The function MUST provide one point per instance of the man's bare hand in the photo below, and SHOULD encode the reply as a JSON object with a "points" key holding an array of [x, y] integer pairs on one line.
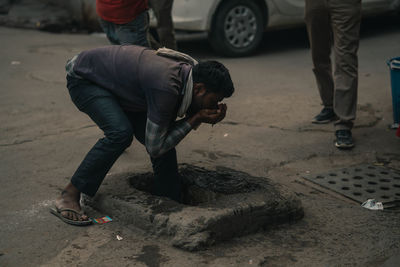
{"points": [[211, 116]]}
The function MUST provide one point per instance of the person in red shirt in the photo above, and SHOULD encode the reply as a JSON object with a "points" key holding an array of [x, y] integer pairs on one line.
{"points": [[124, 21]]}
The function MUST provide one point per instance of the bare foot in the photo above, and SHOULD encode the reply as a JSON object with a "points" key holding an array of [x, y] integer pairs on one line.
{"points": [[69, 199]]}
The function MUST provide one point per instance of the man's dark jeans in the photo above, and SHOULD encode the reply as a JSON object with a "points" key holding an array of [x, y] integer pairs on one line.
{"points": [[119, 127], [132, 33]]}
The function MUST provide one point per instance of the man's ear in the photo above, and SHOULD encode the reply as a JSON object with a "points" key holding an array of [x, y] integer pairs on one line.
{"points": [[199, 89]]}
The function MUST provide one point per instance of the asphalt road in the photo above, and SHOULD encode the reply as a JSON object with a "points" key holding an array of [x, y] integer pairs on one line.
{"points": [[267, 133]]}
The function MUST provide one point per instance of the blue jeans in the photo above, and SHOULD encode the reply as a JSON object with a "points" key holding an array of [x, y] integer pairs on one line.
{"points": [[119, 127], [131, 33]]}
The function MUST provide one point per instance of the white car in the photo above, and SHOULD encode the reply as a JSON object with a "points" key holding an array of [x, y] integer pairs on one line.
{"points": [[235, 27]]}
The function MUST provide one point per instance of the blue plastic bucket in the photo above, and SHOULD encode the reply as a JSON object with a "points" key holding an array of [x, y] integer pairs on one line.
{"points": [[394, 65]]}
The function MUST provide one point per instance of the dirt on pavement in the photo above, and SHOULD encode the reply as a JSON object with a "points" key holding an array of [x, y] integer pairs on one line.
{"points": [[267, 133]]}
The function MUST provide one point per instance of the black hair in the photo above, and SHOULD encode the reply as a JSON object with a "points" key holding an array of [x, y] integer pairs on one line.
{"points": [[215, 77]]}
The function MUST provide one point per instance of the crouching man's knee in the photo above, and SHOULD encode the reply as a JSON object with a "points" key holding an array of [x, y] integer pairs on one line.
{"points": [[121, 137]]}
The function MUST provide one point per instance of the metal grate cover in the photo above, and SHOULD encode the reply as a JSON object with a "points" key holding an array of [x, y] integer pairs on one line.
{"points": [[362, 182]]}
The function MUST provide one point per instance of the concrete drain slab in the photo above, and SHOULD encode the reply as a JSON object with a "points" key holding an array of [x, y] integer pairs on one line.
{"points": [[219, 204], [362, 182]]}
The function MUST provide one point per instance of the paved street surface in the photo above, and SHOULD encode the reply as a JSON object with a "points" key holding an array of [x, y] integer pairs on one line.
{"points": [[267, 133]]}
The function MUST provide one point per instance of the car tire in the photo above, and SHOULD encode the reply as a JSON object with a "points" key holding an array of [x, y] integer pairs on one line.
{"points": [[237, 28]]}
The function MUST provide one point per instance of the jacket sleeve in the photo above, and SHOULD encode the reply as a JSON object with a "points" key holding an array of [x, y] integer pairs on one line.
{"points": [[160, 139]]}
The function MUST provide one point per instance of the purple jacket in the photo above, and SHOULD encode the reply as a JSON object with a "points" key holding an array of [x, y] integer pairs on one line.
{"points": [[141, 80]]}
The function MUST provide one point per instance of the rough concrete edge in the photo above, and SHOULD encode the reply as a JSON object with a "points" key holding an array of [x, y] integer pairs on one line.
{"points": [[208, 229], [206, 226], [121, 209]]}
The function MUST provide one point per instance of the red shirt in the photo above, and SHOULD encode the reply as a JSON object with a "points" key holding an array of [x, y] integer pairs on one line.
{"points": [[120, 11]]}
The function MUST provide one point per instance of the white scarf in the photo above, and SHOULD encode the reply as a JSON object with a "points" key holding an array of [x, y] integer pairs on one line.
{"points": [[187, 96]]}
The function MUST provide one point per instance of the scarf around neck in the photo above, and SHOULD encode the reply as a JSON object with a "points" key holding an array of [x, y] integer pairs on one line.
{"points": [[188, 89]]}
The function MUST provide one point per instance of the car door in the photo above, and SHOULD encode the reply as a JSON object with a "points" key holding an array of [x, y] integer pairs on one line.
{"points": [[296, 7], [290, 7]]}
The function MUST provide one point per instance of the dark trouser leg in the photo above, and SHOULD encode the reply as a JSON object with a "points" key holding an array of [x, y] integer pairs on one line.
{"points": [[106, 112], [165, 29], [319, 30], [134, 32], [167, 181], [346, 19], [109, 30]]}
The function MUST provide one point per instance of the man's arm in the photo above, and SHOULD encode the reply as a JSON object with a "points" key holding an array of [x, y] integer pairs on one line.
{"points": [[160, 139]]}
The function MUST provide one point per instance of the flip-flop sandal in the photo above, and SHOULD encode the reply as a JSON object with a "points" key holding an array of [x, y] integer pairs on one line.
{"points": [[57, 212]]}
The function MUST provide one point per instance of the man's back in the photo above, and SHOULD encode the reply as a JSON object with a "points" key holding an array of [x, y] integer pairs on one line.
{"points": [[141, 80]]}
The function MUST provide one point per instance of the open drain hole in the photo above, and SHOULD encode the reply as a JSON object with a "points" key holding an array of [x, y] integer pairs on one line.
{"points": [[345, 188], [384, 188], [357, 178], [372, 183], [385, 197], [386, 173], [396, 185], [371, 168], [384, 180], [357, 185], [332, 174], [345, 179], [201, 185], [332, 182], [320, 177], [371, 175], [370, 191]]}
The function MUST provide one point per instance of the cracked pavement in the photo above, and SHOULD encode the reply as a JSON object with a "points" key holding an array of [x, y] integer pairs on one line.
{"points": [[267, 133]]}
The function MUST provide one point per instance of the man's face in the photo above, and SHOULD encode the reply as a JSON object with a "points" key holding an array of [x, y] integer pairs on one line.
{"points": [[202, 99]]}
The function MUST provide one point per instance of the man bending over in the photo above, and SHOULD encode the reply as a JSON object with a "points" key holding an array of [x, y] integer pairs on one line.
{"points": [[131, 91]]}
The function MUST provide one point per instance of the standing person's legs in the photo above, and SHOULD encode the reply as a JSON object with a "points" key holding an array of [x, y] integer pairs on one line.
{"points": [[167, 181], [317, 18], [109, 29], [134, 32], [346, 19], [154, 39], [165, 27], [104, 109]]}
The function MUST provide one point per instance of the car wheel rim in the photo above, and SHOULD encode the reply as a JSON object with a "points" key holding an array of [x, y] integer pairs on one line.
{"points": [[240, 26]]}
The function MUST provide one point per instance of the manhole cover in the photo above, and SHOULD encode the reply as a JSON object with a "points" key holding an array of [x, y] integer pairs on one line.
{"points": [[362, 182]]}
